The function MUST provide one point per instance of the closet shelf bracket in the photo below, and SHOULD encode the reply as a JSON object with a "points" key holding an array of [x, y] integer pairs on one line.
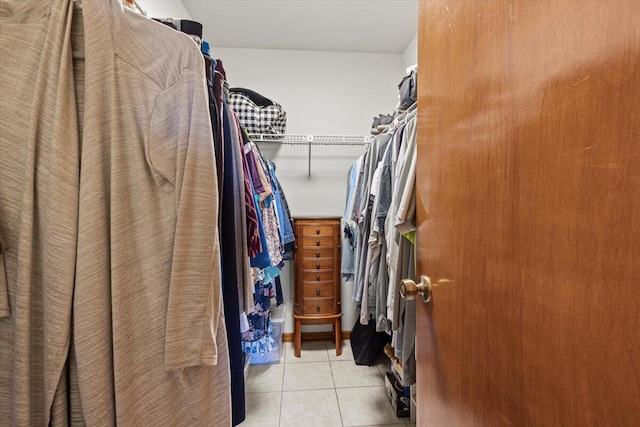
{"points": [[309, 142]]}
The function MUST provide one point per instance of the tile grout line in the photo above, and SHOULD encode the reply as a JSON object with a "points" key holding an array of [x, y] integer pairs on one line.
{"points": [[310, 389], [335, 390], [403, 421]]}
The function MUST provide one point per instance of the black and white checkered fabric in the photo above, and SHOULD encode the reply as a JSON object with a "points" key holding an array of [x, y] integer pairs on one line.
{"points": [[256, 119]]}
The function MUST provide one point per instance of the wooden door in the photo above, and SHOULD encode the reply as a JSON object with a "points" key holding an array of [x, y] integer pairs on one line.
{"points": [[529, 213]]}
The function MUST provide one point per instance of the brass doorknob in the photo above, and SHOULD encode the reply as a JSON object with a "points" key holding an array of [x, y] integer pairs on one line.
{"points": [[409, 289]]}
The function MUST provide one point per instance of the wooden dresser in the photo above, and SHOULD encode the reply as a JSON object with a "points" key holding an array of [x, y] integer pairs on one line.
{"points": [[317, 276]]}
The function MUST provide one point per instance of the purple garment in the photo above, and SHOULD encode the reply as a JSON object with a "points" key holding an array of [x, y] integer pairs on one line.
{"points": [[255, 176], [253, 231]]}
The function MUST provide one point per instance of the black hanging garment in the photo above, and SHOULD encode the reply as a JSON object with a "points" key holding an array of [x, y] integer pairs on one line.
{"points": [[230, 282], [221, 124], [228, 224], [366, 343]]}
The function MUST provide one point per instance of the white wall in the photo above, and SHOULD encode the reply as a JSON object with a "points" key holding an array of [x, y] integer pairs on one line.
{"points": [[327, 93], [410, 54], [322, 92], [164, 9]]}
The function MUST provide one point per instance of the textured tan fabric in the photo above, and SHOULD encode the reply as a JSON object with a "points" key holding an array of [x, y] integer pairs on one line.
{"points": [[134, 225], [39, 170]]}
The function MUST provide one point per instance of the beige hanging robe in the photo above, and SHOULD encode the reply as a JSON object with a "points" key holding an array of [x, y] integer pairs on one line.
{"points": [[39, 170], [113, 238]]}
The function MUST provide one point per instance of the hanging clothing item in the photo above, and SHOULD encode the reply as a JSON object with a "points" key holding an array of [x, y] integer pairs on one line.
{"points": [[379, 238], [375, 152], [379, 276], [257, 181], [237, 205], [254, 239], [403, 260], [214, 88], [268, 210], [270, 258], [282, 209], [259, 338], [232, 239], [240, 210], [39, 168], [349, 224], [284, 215], [149, 342], [403, 184], [272, 231], [261, 260], [172, 319], [218, 91]]}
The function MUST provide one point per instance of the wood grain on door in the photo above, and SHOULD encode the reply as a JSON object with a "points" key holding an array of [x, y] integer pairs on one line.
{"points": [[529, 213]]}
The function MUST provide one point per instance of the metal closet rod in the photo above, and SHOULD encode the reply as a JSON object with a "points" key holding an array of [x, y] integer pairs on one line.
{"points": [[306, 139], [310, 140]]}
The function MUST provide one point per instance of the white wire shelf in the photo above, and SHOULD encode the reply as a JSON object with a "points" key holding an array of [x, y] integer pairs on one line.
{"points": [[311, 141], [292, 139]]}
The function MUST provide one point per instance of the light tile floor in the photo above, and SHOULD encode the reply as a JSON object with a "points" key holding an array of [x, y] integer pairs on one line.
{"points": [[319, 389]]}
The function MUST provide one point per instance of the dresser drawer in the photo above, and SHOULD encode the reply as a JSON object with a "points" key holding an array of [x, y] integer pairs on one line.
{"points": [[317, 276], [318, 306], [317, 264], [317, 294], [320, 290], [311, 253], [317, 230], [319, 241]]}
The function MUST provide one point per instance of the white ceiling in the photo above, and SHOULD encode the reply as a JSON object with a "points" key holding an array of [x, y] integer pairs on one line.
{"points": [[385, 26]]}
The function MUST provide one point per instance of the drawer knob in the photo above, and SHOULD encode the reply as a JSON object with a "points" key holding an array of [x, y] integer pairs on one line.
{"points": [[317, 242], [317, 266], [317, 254], [317, 277], [317, 231], [318, 308], [318, 291]]}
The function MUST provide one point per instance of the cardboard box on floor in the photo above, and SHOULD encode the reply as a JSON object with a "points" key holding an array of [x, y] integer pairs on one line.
{"points": [[398, 395]]}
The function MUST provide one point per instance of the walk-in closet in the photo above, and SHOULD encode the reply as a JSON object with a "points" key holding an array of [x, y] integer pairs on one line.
{"points": [[329, 213]]}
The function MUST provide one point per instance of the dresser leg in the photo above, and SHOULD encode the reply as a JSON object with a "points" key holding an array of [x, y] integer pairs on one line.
{"points": [[297, 339], [338, 336]]}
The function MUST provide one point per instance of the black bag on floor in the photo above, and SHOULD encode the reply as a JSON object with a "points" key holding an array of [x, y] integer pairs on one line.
{"points": [[367, 344]]}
